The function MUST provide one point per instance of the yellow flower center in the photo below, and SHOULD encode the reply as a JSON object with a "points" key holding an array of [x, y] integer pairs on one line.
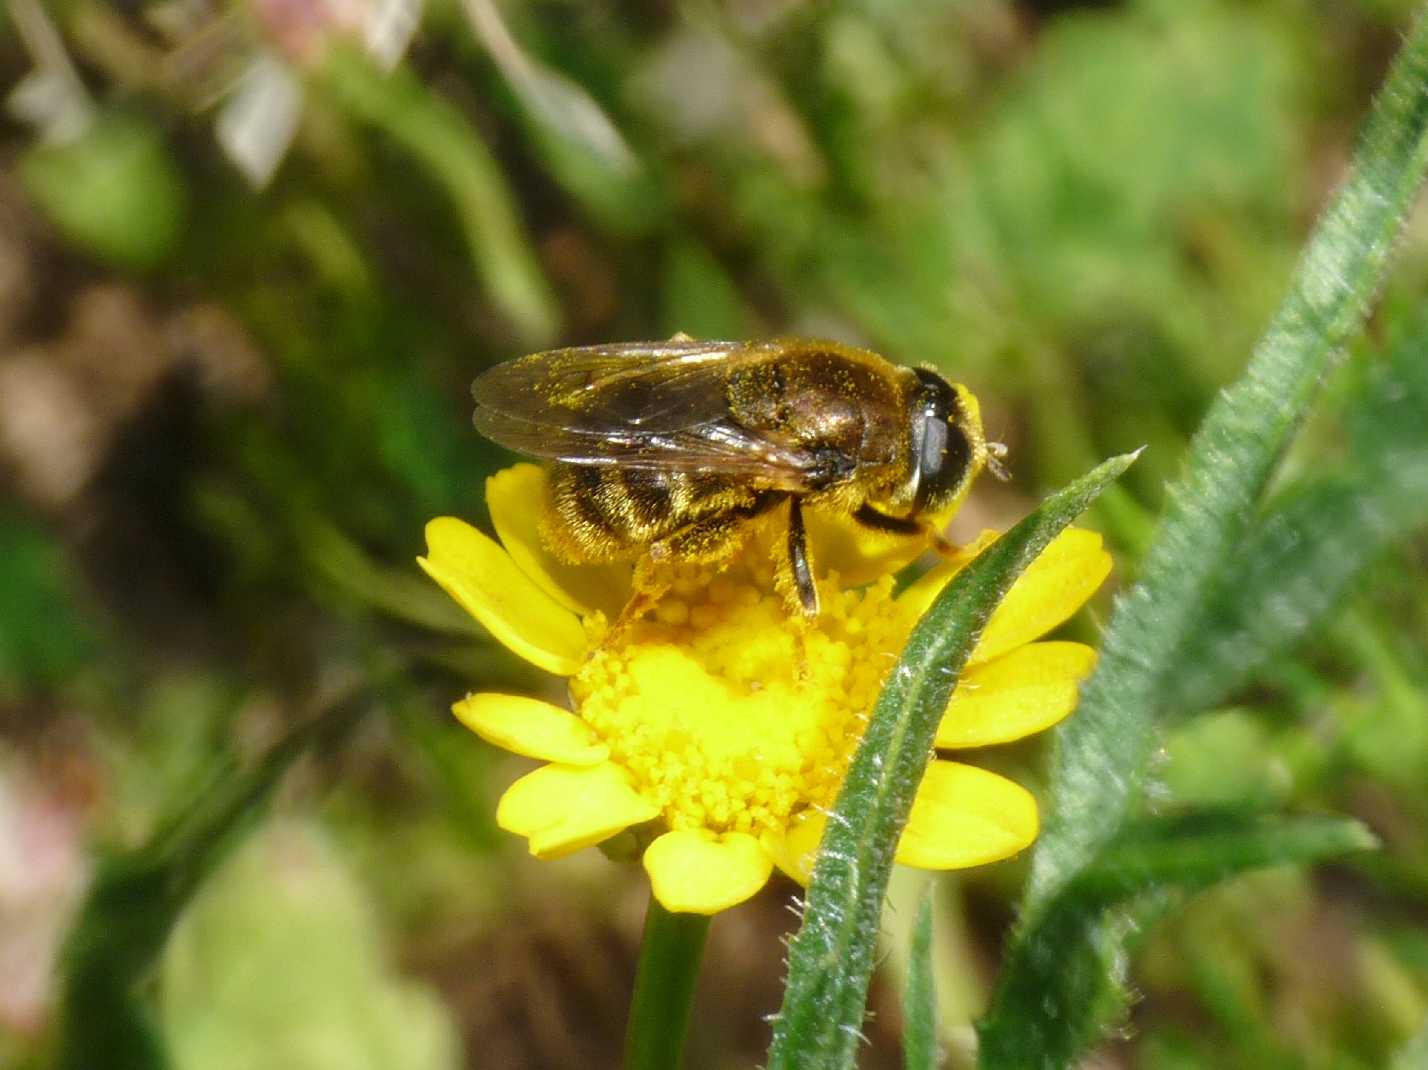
{"points": [[730, 714]]}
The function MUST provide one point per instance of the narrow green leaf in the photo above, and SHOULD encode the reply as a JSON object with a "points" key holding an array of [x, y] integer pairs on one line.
{"points": [[831, 958], [1058, 990], [919, 1000], [582, 147], [1196, 850], [398, 104], [1299, 560], [136, 898], [1103, 752]]}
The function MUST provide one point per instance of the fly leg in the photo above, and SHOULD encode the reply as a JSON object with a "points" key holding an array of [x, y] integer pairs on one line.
{"points": [[651, 583], [712, 539], [799, 565], [903, 525], [800, 570]]}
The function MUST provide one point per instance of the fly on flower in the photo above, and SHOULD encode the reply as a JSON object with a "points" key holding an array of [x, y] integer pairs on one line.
{"points": [[665, 452], [695, 728]]}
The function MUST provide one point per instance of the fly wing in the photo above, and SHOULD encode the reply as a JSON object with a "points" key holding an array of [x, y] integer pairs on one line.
{"points": [[653, 386], [659, 405]]}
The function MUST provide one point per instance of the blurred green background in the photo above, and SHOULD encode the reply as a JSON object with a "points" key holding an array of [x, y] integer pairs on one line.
{"points": [[251, 256]]}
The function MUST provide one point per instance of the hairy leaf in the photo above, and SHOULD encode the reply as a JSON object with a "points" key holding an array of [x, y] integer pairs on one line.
{"points": [[1104, 750], [1299, 560], [832, 957], [1059, 987]]}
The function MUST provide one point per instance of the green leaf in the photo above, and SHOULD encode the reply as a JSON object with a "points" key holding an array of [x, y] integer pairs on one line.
{"points": [[136, 898], [236, 996], [1300, 559], [582, 147], [1414, 1054], [1104, 751], [919, 999], [1058, 989], [1193, 851], [441, 140], [585, 152], [115, 191], [45, 640], [832, 956]]}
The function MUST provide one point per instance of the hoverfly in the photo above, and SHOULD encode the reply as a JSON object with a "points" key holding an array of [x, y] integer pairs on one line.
{"points": [[665, 451]]}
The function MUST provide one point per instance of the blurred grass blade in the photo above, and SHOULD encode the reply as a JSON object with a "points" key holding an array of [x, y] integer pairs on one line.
{"points": [[257, 123], [435, 133], [333, 558], [52, 97], [1104, 751], [1193, 851], [919, 1001], [1299, 560], [832, 956], [1057, 992], [136, 898], [551, 98], [582, 146]]}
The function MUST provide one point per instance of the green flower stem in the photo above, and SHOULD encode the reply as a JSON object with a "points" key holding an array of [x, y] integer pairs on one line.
{"points": [[664, 988]]}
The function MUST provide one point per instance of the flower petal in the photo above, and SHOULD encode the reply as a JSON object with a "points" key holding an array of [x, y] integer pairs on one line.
{"points": [[696, 871], [562, 808], [1053, 587], [531, 727], [481, 576], [1022, 692], [965, 816], [797, 850], [919, 594], [516, 498], [857, 553]]}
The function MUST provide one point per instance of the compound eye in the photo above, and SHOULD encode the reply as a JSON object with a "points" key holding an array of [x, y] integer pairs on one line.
{"points": [[934, 448], [944, 464], [930, 460]]}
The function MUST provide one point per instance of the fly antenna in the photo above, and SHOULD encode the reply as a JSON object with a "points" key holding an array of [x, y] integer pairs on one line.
{"points": [[996, 453]]}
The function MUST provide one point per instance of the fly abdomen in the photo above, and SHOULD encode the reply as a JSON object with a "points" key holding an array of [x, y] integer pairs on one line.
{"points": [[608, 512]]}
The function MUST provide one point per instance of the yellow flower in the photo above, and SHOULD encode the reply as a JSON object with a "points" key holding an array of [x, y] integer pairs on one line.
{"points": [[719, 727]]}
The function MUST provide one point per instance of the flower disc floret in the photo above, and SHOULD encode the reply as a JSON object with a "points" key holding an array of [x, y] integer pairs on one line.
{"points": [[729, 718]]}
